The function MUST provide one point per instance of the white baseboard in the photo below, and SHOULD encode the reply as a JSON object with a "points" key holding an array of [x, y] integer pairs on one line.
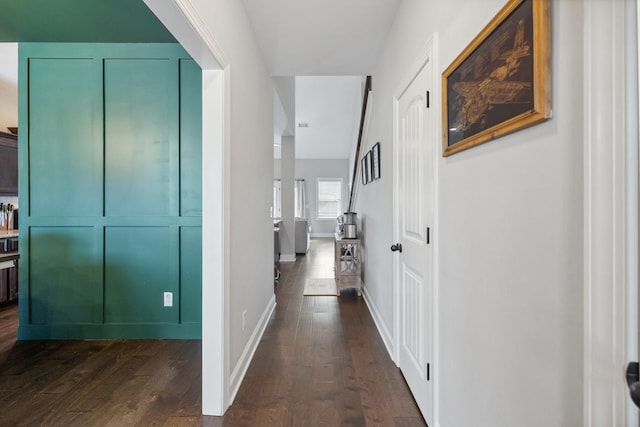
{"points": [[238, 373], [322, 234], [288, 258], [387, 339]]}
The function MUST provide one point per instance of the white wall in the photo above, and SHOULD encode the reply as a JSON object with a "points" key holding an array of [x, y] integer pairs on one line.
{"points": [[285, 87], [250, 166], [310, 170], [510, 330], [287, 172], [8, 86]]}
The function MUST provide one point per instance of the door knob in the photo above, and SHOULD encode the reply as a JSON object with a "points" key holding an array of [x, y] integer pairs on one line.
{"points": [[396, 247], [633, 381]]}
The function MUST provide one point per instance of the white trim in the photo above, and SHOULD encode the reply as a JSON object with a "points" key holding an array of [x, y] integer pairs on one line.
{"points": [[225, 134], [288, 258], [383, 331], [429, 53], [340, 208], [396, 232], [605, 213], [322, 235], [238, 373], [432, 45], [188, 27], [633, 189], [214, 245], [633, 166]]}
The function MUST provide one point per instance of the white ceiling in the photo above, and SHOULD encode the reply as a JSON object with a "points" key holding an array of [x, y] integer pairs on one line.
{"points": [[318, 40], [320, 37], [331, 108]]}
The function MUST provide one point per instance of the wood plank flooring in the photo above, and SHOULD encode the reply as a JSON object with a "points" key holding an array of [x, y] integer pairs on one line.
{"points": [[320, 363]]}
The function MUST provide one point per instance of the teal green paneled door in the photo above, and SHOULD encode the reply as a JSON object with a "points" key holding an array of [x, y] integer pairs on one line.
{"points": [[110, 191]]}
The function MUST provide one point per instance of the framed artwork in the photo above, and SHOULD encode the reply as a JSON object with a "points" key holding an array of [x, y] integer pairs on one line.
{"points": [[501, 82], [363, 167], [367, 161], [375, 153]]}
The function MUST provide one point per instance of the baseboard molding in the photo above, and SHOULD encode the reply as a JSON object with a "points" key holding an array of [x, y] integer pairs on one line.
{"points": [[387, 338], [238, 373], [287, 258], [322, 235], [111, 331]]}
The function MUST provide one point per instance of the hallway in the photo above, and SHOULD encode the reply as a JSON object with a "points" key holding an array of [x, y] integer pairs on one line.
{"points": [[320, 363]]}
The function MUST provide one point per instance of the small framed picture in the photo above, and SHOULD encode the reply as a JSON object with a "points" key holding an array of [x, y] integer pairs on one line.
{"points": [[367, 159], [376, 160], [363, 166]]}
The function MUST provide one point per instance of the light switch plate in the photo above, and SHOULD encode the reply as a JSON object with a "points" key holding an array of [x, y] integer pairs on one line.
{"points": [[168, 299]]}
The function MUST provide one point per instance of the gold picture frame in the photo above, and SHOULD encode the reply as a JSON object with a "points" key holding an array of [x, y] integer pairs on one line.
{"points": [[501, 82]]}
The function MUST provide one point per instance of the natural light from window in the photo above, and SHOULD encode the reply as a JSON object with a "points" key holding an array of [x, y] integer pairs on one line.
{"points": [[277, 197], [329, 193]]}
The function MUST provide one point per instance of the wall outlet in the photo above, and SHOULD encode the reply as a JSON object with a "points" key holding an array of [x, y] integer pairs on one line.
{"points": [[244, 319], [168, 299]]}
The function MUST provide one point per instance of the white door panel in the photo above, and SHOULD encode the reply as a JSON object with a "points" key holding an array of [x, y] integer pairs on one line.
{"points": [[412, 318], [414, 186]]}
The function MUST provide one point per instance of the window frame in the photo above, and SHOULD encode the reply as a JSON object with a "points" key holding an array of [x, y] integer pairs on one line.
{"points": [[317, 198]]}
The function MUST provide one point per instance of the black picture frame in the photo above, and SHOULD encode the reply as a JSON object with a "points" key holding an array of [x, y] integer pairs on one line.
{"points": [[375, 159], [363, 166], [367, 158]]}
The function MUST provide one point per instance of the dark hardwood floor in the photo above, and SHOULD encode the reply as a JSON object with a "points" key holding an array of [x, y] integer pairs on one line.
{"points": [[320, 363]]}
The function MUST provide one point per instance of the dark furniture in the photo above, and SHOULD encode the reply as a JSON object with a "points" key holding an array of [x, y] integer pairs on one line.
{"points": [[8, 164], [9, 269], [276, 250]]}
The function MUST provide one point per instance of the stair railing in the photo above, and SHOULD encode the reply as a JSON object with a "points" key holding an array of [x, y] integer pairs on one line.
{"points": [[365, 100]]}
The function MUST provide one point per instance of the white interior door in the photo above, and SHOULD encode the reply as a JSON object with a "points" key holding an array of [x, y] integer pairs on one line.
{"points": [[414, 221]]}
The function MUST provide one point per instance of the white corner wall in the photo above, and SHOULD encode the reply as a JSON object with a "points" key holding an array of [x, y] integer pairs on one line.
{"points": [[287, 209], [510, 346], [238, 136], [8, 86], [251, 152]]}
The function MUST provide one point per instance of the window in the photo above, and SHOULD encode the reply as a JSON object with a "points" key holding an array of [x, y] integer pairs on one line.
{"points": [[299, 199], [276, 199], [329, 198]]}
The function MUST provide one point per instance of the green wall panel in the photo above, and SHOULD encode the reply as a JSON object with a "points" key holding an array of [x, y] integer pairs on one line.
{"points": [[63, 273], [141, 121], [65, 127], [190, 138], [136, 274], [190, 274], [110, 191]]}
